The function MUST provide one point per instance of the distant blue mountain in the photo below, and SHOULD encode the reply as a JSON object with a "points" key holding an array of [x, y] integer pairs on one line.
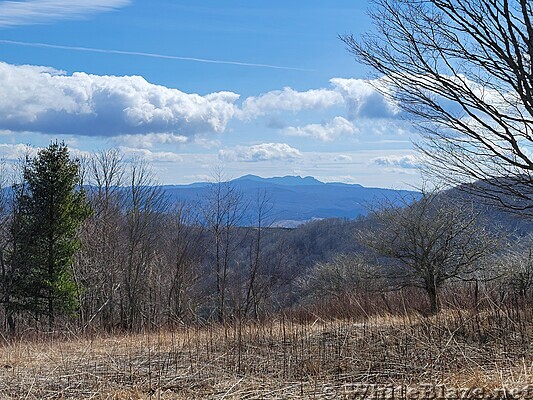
{"points": [[294, 200]]}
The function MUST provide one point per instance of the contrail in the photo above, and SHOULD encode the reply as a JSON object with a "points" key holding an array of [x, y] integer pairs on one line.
{"points": [[143, 54]]}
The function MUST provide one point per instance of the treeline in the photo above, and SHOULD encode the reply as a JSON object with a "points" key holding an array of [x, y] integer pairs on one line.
{"points": [[94, 244]]}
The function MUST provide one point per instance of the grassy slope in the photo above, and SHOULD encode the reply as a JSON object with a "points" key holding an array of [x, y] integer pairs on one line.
{"points": [[275, 359]]}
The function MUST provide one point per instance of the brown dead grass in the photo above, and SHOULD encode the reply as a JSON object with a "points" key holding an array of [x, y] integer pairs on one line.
{"points": [[279, 359]]}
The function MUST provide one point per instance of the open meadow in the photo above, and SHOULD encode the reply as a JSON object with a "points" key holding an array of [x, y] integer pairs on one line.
{"points": [[279, 359]]}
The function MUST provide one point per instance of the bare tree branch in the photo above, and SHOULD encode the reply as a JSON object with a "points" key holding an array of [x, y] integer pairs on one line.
{"points": [[462, 71]]}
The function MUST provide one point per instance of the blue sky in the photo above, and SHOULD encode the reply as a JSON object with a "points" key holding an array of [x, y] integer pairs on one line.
{"points": [[250, 87]]}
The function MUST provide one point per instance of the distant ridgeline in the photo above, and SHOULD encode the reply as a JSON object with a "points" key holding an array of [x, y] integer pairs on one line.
{"points": [[293, 200]]}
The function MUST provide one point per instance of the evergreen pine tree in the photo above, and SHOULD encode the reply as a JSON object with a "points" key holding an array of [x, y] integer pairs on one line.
{"points": [[49, 209]]}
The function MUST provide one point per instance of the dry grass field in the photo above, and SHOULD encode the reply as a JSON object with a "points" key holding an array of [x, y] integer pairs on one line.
{"points": [[277, 359]]}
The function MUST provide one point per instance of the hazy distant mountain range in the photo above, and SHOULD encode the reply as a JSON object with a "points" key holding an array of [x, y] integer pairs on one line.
{"points": [[295, 200]]}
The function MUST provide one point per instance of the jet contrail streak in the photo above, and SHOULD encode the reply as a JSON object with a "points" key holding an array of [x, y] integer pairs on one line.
{"points": [[143, 54]]}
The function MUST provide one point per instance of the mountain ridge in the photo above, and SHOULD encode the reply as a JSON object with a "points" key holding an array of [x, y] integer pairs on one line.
{"points": [[296, 199], [286, 180]]}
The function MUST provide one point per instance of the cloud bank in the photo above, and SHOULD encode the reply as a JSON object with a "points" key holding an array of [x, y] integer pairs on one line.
{"points": [[260, 152], [29, 12], [45, 100], [363, 100], [290, 100], [325, 132], [409, 161], [49, 101]]}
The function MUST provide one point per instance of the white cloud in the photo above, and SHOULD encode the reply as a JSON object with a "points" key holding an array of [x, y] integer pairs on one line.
{"points": [[12, 152], [290, 100], [207, 143], [151, 156], [148, 140], [45, 100], [136, 113], [17, 151], [342, 158], [326, 132], [359, 97], [260, 152], [408, 161], [363, 100], [28, 12]]}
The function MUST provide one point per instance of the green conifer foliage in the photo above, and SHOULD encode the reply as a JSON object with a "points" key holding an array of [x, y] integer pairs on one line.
{"points": [[50, 207]]}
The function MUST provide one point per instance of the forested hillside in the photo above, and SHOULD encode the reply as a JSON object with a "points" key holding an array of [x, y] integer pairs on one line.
{"points": [[97, 245], [141, 257]]}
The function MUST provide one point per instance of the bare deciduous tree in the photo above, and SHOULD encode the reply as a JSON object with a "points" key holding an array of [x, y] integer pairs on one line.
{"points": [[462, 69], [182, 254], [428, 243], [517, 268], [144, 204], [5, 247], [98, 264], [222, 213]]}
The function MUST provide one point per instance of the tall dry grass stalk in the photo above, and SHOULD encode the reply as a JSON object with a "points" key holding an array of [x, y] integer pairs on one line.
{"points": [[286, 357]]}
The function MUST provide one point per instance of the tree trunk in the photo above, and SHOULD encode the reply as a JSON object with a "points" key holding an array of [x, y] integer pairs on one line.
{"points": [[11, 323], [433, 299]]}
